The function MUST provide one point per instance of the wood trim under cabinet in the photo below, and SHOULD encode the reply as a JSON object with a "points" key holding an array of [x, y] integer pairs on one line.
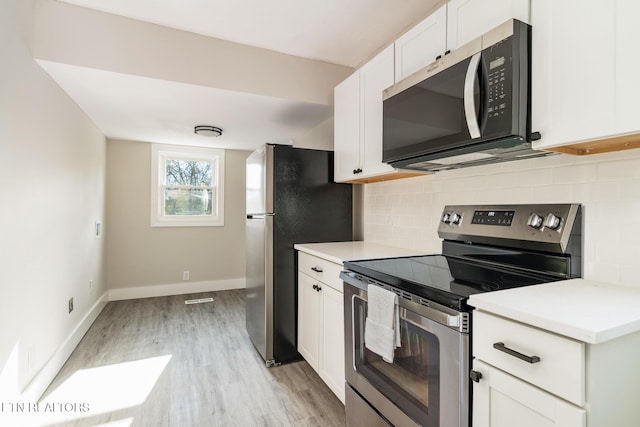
{"points": [[606, 145], [387, 177]]}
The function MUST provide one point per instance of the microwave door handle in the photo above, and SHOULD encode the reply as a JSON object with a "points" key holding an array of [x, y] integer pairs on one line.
{"points": [[469, 105]]}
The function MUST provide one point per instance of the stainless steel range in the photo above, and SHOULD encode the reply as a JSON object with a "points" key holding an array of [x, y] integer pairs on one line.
{"points": [[485, 248]]}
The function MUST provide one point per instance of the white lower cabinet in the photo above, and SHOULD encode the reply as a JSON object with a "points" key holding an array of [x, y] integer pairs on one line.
{"points": [[321, 319], [529, 377], [308, 320], [502, 400], [332, 340]]}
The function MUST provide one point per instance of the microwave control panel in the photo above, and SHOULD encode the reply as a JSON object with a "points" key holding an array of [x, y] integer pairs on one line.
{"points": [[506, 69], [498, 60]]}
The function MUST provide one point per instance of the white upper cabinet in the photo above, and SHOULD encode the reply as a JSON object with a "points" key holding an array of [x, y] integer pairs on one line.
{"points": [[358, 120], [627, 65], [573, 73], [451, 26], [469, 19], [584, 71], [420, 46], [346, 124], [375, 77]]}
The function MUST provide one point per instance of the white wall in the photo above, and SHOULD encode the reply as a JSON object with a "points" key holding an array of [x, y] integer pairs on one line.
{"points": [[52, 180], [73, 35], [318, 138], [145, 261], [405, 213]]}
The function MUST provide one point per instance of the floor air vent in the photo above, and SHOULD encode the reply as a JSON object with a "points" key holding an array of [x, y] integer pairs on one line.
{"points": [[198, 300]]}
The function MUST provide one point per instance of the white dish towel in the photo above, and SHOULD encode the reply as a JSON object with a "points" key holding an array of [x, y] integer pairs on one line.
{"points": [[382, 327]]}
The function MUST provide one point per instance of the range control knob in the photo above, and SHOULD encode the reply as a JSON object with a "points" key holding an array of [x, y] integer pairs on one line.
{"points": [[455, 218], [446, 218], [535, 221], [553, 222]]}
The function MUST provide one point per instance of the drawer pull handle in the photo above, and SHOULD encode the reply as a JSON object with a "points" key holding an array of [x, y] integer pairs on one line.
{"points": [[317, 269], [530, 359]]}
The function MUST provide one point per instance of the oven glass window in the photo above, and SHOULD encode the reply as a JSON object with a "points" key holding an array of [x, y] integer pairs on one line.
{"points": [[411, 382]]}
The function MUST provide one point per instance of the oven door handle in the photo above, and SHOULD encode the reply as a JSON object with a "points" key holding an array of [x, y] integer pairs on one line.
{"points": [[458, 322]]}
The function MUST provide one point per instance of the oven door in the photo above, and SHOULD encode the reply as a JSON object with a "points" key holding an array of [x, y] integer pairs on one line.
{"points": [[427, 383]]}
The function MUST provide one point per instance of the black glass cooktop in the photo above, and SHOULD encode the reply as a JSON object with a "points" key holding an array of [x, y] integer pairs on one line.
{"points": [[447, 280]]}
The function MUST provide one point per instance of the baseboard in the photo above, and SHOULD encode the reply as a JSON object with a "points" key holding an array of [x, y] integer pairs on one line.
{"points": [[36, 388], [176, 289], [45, 376]]}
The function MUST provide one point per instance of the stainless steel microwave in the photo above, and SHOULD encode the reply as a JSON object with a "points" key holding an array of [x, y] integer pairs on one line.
{"points": [[471, 107]]}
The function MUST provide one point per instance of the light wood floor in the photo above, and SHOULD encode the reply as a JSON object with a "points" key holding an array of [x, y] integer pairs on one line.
{"points": [[213, 377]]}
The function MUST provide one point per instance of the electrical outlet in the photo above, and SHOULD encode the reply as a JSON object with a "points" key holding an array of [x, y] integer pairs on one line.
{"points": [[185, 275], [70, 304]]}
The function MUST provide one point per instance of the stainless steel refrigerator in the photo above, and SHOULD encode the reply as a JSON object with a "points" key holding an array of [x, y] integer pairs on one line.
{"points": [[291, 198]]}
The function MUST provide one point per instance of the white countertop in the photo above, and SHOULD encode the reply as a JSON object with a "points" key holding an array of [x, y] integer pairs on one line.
{"points": [[339, 252], [584, 310]]}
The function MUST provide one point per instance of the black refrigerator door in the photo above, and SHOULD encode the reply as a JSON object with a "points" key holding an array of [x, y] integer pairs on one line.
{"points": [[309, 207]]}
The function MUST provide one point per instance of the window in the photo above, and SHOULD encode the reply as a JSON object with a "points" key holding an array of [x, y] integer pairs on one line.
{"points": [[187, 186]]}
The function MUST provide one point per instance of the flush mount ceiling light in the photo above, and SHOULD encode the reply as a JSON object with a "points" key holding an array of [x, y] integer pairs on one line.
{"points": [[207, 131]]}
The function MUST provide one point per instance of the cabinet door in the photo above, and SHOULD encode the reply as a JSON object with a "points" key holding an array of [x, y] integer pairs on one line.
{"points": [[347, 128], [627, 66], [469, 19], [573, 76], [420, 46], [308, 320], [375, 76], [332, 341], [500, 400]]}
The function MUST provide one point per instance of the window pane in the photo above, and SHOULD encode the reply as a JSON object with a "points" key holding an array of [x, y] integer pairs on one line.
{"points": [[180, 201], [188, 172]]}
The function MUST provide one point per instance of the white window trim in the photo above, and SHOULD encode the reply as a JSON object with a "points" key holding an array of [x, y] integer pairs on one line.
{"points": [[159, 152]]}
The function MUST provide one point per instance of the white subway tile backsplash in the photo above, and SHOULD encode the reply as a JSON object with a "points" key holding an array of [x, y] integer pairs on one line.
{"points": [[627, 169], [596, 191], [629, 276], [607, 212], [553, 194], [608, 273], [574, 174], [405, 213], [630, 190], [536, 177]]}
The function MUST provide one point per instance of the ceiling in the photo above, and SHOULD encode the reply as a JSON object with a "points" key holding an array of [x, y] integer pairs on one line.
{"points": [[146, 109]]}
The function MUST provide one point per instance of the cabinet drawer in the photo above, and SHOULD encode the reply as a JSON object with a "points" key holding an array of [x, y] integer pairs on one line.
{"points": [[558, 365], [320, 269]]}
